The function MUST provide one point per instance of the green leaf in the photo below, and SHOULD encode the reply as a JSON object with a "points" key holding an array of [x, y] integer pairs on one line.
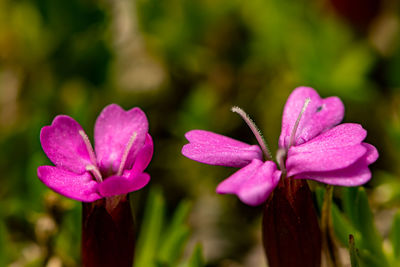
{"points": [[395, 236], [371, 238], [158, 245], [349, 196], [149, 238], [175, 236], [342, 226], [357, 209], [354, 256], [196, 260], [319, 194], [3, 244], [368, 259], [197, 257]]}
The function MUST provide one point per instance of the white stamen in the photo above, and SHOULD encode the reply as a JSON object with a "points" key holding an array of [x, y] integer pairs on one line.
{"points": [[257, 133], [296, 125], [126, 153], [88, 146], [95, 171], [91, 167]]}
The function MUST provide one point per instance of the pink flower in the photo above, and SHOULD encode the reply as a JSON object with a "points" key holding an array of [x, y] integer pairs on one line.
{"points": [[311, 146], [123, 149]]}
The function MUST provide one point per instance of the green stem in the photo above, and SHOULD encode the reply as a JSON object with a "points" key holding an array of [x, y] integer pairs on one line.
{"points": [[328, 240]]}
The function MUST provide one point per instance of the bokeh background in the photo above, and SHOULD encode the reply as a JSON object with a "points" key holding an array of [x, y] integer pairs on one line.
{"points": [[185, 63]]}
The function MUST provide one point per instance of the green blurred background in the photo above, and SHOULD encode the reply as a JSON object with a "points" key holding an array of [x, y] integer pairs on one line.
{"points": [[185, 63]]}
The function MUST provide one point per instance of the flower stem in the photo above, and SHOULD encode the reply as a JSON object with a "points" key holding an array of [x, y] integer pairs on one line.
{"points": [[329, 245], [257, 133]]}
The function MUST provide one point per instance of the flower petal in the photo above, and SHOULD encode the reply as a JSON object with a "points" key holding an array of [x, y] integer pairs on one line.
{"points": [[354, 175], [334, 149], [79, 187], [253, 183], [372, 154], [324, 160], [113, 131], [346, 134], [64, 144], [144, 156], [215, 149], [118, 185], [320, 115]]}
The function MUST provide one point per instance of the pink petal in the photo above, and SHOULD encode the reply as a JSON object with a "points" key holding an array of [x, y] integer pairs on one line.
{"points": [[64, 145], [336, 148], [142, 160], [320, 115], [215, 149], [346, 134], [253, 183], [354, 175], [372, 154], [324, 160], [118, 185], [79, 187], [113, 130], [144, 156]]}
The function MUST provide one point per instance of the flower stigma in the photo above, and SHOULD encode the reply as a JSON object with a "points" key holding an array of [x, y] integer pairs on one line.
{"points": [[296, 125], [126, 153], [281, 154], [88, 146], [257, 133], [91, 167]]}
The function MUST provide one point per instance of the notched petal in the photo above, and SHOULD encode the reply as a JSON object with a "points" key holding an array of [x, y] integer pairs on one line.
{"points": [[210, 138], [320, 115], [324, 159], [113, 130], [334, 149], [354, 175], [144, 156], [343, 135], [64, 144], [211, 148]]}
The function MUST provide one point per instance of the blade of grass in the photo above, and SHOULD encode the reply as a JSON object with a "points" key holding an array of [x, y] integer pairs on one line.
{"points": [[150, 232]]}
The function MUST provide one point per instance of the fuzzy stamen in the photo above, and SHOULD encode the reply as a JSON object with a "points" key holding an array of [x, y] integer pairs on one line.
{"points": [[126, 153], [296, 125], [88, 146], [257, 133]]}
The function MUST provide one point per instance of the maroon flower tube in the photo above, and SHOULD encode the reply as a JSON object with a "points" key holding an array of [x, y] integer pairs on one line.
{"points": [[108, 236], [290, 229]]}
